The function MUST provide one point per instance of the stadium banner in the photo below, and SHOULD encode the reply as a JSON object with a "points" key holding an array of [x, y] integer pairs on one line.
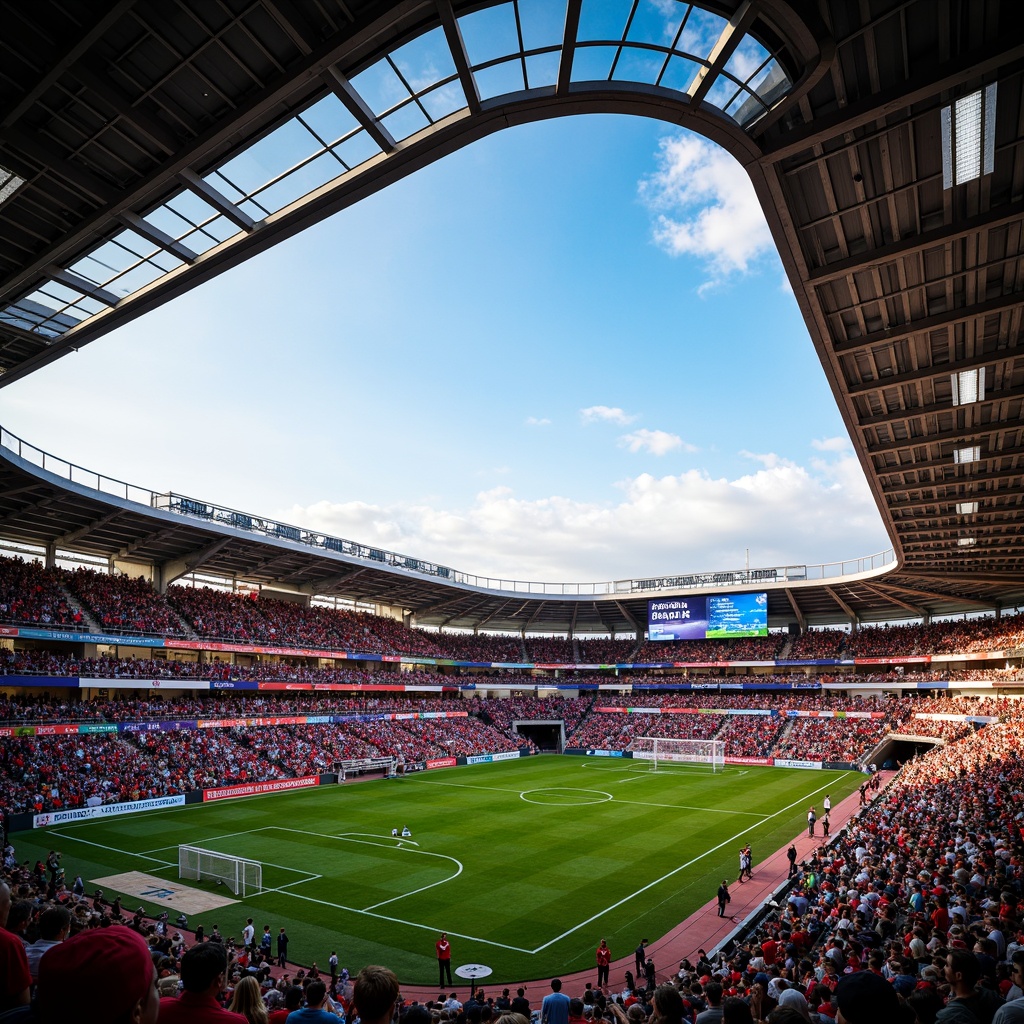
{"points": [[602, 753], [68, 682], [782, 762], [174, 725], [921, 659], [442, 762], [840, 766], [258, 788], [748, 760], [974, 656], [505, 755], [834, 714], [294, 652], [414, 766], [143, 684], [939, 717], [90, 638], [233, 684], [105, 810], [764, 712], [345, 687]]}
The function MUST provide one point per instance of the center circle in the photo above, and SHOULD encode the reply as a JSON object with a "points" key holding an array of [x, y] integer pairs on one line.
{"points": [[563, 796]]}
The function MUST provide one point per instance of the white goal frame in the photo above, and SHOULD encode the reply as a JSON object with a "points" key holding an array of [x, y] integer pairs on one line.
{"points": [[660, 750], [242, 876]]}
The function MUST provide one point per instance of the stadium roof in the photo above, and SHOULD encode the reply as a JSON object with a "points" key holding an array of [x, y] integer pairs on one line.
{"points": [[145, 148]]}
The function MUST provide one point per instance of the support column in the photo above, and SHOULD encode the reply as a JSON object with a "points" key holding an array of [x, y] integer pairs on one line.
{"points": [[51, 554]]}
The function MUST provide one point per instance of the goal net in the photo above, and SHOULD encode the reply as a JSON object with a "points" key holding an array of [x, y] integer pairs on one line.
{"points": [[242, 876], [661, 752]]}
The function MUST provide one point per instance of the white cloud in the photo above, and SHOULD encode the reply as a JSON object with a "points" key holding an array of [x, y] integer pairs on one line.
{"points": [[783, 512], [830, 444], [606, 414], [657, 442], [706, 208], [537, 421]]}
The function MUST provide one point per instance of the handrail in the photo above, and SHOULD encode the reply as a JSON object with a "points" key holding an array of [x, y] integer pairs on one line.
{"points": [[272, 529]]}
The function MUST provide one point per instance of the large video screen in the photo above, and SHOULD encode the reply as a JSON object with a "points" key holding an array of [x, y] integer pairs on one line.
{"points": [[714, 616]]}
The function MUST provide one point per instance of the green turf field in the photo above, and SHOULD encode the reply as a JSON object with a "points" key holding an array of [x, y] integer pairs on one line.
{"points": [[526, 864]]}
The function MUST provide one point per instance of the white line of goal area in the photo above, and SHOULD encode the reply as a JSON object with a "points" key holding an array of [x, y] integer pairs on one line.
{"points": [[370, 839]]}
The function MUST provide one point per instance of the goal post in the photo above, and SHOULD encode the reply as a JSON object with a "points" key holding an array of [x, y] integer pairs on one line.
{"points": [[661, 751], [242, 876]]}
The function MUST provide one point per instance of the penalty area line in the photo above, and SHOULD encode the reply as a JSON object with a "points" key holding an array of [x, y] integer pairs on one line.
{"points": [[115, 849]]}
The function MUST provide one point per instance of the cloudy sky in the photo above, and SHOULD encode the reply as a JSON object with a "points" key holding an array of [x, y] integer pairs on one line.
{"points": [[565, 353]]}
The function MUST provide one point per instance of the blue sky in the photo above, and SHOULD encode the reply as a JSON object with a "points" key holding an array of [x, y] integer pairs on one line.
{"points": [[567, 352]]}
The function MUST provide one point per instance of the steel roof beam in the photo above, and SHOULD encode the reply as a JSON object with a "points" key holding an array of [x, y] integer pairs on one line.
{"points": [[357, 107], [158, 237], [216, 199], [993, 399], [1003, 355], [457, 45], [943, 75], [568, 51]]}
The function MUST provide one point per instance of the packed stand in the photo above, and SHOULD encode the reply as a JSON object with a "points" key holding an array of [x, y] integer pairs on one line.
{"points": [[605, 652], [764, 648], [818, 644], [30, 594], [122, 604], [831, 739]]}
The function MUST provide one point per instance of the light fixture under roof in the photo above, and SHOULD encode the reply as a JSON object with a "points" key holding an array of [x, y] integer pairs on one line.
{"points": [[9, 184], [968, 386], [966, 542], [966, 508], [962, 456]]}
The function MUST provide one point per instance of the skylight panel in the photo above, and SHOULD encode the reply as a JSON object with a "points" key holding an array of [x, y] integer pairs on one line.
{"points": [[966, 542], [968, 137], [964, 456], [968, 386], [966, 508], [9, 184]]}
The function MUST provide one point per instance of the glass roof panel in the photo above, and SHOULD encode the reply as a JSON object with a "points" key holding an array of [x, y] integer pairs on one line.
{"points": [[165, 260], [745, 107], [500, 79], [636, 65], [656, 22], [199, 241], [722, 93], [489, 34], [443, 100], [747, 58], [593, 63], [701, 32], [680, 73], [770, 82], [90, 306], [357, 150], [55, 291], [542, 69], [299, 182], [271, 156], [222, 229], [188, 205], [405, 122], [380, 87], [138, 277], [171, 223], [425, 61], [604, 19], [542, 23], [329, 119]]}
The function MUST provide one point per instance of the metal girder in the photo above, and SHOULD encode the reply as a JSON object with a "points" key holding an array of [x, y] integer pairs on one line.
{"points": [[81, 284], [935, 595], [216, 199], [629, 618], [898, 415], [842, 604], [569, 30], [92, 75], [883, 593], [1002, 355], [294, 22], [944, 75], [950, 318], [158, 237], [992, 429], [910, 245], [78, 46], [941, 462], [46, 154], [150, 538], [801, 621], [325, 585], [985, 498], [536, 612], [457, 45], [83, 531], [178, 567], [28, 509], [356, 106], [724, 47]]}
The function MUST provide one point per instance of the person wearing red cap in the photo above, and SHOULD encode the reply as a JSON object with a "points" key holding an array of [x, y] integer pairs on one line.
{"points": [[203, 977], [15, 977], [101, 976]]}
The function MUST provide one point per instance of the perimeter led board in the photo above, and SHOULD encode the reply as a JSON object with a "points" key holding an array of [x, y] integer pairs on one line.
{"points": [[715, 616]]}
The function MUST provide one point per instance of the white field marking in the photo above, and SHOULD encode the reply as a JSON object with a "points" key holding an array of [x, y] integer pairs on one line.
{"points": [[373, 835], [689, 807], [632, 778], [462, 785], [409, 924], [212, 839], [527, 793], [387, 845], [682, 867], [288, 885], [639, 767], [115, 849]]}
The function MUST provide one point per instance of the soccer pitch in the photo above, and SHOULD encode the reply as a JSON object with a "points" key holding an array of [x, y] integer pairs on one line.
{"points": [[526, 864]]}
